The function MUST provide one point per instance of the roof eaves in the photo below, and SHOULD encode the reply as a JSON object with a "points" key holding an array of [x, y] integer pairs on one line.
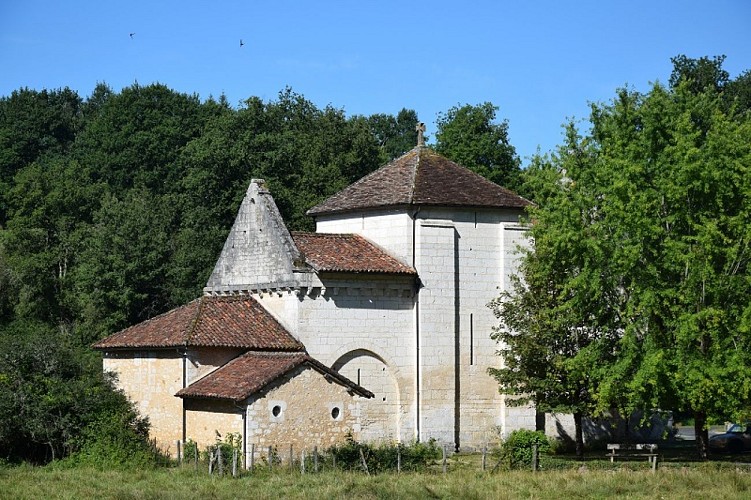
{"points": [[350, 385]]}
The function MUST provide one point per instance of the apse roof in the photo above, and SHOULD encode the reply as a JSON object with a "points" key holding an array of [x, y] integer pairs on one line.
{"points": [[420, 177]]}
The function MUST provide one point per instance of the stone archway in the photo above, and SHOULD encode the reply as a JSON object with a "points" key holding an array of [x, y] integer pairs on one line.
{"points": [[380, 415]]}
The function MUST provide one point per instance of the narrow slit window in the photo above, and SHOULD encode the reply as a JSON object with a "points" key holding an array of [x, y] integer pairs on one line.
{"points": [[471, 339]]}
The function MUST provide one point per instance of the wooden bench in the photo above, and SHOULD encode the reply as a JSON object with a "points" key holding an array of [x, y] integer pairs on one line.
{"points": [[632, 450]]}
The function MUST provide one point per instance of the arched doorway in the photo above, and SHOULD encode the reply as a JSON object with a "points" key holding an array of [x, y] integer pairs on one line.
{"points": [[380, 415]]}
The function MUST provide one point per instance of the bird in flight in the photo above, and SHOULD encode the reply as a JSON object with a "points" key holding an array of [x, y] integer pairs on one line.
{"points": [[241, 42], [131, 35]]}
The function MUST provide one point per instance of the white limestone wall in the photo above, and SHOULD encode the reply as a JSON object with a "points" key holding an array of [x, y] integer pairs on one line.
{"points": [[392, 230], [464, 258], [365, 330], [477, 259], [437, 263]]}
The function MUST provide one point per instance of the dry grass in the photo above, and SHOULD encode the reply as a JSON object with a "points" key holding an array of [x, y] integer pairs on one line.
{"points": [[701, 481]]}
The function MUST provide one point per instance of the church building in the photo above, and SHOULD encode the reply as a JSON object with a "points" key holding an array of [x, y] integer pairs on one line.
{"points": [[376, 325]]}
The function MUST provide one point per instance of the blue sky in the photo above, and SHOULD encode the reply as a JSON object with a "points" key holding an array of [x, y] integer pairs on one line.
{"points": [[539, 62]]}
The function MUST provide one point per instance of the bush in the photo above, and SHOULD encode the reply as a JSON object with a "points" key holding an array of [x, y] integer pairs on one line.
{"points": [[516, 449], [415, 456], [115, 441]]}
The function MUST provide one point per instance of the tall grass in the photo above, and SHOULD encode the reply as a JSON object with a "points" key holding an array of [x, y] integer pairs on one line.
{"points": [[695, 482]]}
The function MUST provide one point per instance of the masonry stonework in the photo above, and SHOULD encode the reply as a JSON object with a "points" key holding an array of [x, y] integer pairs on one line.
{"points": [[414, 335], [303, 410], [151, 379]]}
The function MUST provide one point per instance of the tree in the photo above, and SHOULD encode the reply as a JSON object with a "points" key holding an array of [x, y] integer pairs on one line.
{"points": [[469, 136], [395, 134], [122, 273], [554, 326], [699, 74], [50, 204], [133, 139], [34, 124], [53, 401], [665, 232]]}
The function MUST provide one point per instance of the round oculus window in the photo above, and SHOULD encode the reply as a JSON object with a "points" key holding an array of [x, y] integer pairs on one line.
{"points": [[276, 410], [335, 412]]}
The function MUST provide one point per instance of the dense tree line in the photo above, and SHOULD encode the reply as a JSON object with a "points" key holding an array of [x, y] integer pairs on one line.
{"points": [[114, 208], [637, 293]]}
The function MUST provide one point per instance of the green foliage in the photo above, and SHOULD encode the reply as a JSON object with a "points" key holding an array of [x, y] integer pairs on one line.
{"points": [[383, 457], [232, 442], [395, 134], [54, 403], [469, 136], [517, 448], [635, 296], [118, 440]]}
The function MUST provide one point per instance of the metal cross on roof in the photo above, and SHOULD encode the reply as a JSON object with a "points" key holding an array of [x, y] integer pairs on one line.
{"points": [[420, 134]]}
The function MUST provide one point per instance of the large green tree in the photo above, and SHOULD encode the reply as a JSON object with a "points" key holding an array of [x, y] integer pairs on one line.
{"points": [[662, 191], [395, 134], [470, 136], [554, 322]]}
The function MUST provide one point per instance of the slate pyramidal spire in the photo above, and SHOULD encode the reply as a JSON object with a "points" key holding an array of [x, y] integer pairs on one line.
{"points": [[420, 177]]}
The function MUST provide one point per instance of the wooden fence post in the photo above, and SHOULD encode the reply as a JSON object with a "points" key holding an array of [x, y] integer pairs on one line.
{"points": [[399, 457], [234, 463], [364, 463], [291, 458], [252, 456], [302, 461], [219, 463], [315, 459], [444, 459], [484, 457], [271, 458], [211, 463], [179, 452], [535, 457]]}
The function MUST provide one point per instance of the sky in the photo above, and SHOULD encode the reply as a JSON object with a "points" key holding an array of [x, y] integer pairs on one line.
{"points": [[540, 62]]}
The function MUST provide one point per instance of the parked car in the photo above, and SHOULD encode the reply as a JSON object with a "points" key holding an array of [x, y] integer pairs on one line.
{"points": [[735, 440]]}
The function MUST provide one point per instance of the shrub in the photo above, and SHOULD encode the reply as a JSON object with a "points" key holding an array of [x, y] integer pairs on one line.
{"points": [[415, 456], [516, 449], [116, 441]]}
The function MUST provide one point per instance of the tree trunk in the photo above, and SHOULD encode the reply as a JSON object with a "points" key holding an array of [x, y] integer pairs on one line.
{"points": [[702, 434], [579, 436]]}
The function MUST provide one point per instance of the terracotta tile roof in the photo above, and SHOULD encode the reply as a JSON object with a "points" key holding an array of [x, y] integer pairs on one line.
{"points": [[347, 253], [420, 177], [207, 322], [251, 372]]}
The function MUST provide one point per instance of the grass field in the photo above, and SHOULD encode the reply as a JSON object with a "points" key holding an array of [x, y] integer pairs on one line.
{"points": [[628, 480]]}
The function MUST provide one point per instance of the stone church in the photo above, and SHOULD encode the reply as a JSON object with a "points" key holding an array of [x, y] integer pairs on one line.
{"points": [[376, 325]]}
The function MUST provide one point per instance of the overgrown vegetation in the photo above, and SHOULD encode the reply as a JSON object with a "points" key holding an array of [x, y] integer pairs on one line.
{"points": [[635, 295], [384, 457], [516, 451]]}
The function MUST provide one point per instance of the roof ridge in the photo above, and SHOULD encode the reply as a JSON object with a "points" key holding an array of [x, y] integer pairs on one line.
{"points": [[415, 169], [194, 322]]}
